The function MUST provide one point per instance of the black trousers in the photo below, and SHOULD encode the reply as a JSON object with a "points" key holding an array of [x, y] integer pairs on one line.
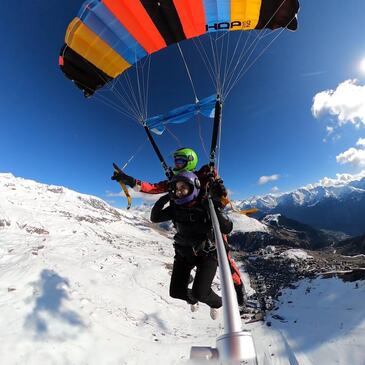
{"points": [[206, 267], [240, 294]]}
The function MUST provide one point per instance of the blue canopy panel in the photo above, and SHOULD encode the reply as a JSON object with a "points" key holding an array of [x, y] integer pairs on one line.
{"points": [[182, 114], [103, 23], [217, 12]]}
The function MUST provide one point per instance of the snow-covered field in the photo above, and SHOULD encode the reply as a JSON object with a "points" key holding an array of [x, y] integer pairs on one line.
{"points": [[84, 283], [322, 321]]}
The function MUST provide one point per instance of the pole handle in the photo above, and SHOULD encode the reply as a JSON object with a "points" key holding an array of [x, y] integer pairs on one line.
{"points": [[123, 186]]}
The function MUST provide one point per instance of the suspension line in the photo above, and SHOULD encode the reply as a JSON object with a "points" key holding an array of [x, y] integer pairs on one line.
{"points": [[188, 72]]}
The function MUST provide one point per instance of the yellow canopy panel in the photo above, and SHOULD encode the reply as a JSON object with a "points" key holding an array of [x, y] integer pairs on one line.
{"points": [[89, 45], [246, 12]]}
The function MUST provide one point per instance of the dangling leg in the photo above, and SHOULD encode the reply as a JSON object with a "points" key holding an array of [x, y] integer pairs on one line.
{"points": [[180, 280], [205, 271]]}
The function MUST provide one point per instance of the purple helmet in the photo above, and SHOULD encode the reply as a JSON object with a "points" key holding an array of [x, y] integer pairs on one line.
{"points": [[185, 187]]}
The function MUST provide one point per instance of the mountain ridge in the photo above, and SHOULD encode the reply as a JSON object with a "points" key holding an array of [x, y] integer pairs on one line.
{"points": [[339, 208]]}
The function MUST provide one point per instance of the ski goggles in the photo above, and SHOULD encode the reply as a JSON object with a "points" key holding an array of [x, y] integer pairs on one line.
{"points": [[180, 161]]}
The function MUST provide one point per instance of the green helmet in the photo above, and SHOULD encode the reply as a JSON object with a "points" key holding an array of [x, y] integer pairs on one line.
{"points": [[185, 160]]}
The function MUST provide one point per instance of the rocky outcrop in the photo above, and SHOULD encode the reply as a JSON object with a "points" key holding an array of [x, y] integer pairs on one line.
{"points": [[352, 246]]}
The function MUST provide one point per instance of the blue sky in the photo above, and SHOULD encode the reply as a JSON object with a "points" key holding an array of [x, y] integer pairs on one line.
{"points": [[51, 133]]}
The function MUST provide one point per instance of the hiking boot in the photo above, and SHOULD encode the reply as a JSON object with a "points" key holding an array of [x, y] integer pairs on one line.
{"points": [[214, 313], [194, 307]]}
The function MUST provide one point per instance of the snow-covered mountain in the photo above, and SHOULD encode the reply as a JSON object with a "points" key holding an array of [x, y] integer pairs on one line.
{"points": [[307, 196], [339, 207], [85, 283], [283, 231]]}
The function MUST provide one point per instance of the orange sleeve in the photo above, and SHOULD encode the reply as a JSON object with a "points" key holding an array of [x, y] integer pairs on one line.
{"points": [[153, 188]]}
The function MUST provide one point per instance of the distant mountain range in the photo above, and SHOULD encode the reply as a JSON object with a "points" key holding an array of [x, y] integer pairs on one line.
{"points": [[337, 208], [249, 234], [283, 231]]}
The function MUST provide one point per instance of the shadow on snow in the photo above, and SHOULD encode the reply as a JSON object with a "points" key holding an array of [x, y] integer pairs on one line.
{"points": [[153, 317], [49, 317]]}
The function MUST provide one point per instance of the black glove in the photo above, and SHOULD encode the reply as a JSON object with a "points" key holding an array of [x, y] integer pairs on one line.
{"points": [[120, 176], [218, 190], [163, 200]]}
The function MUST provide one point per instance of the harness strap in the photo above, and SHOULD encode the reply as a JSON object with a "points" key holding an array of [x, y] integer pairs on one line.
{"points": [[168, 172]]}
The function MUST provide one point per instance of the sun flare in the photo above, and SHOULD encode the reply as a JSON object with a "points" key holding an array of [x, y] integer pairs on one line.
{"points": [[362, 65]]}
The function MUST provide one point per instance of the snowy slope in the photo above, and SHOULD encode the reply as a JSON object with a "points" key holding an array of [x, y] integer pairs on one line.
{"points": [[243, 223], [322, 321], [84, 283]]}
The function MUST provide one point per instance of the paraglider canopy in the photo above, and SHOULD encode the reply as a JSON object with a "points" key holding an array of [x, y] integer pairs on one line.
{"points": [[109, 36]]}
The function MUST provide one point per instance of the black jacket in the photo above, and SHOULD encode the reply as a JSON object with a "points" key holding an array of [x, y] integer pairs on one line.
{"points": [[192, 223]]}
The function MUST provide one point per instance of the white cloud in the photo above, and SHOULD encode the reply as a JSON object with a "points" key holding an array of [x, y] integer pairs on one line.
{"points": [[111, 202], [346, 103], [230, 192], [265, 179], [134, 194], [341, 179], [329, 130], [361, 142], [331, 134], [353, 156], [275, 189]]}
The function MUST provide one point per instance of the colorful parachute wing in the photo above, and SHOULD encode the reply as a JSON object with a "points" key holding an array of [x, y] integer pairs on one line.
{"points": [[109, 36]]}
